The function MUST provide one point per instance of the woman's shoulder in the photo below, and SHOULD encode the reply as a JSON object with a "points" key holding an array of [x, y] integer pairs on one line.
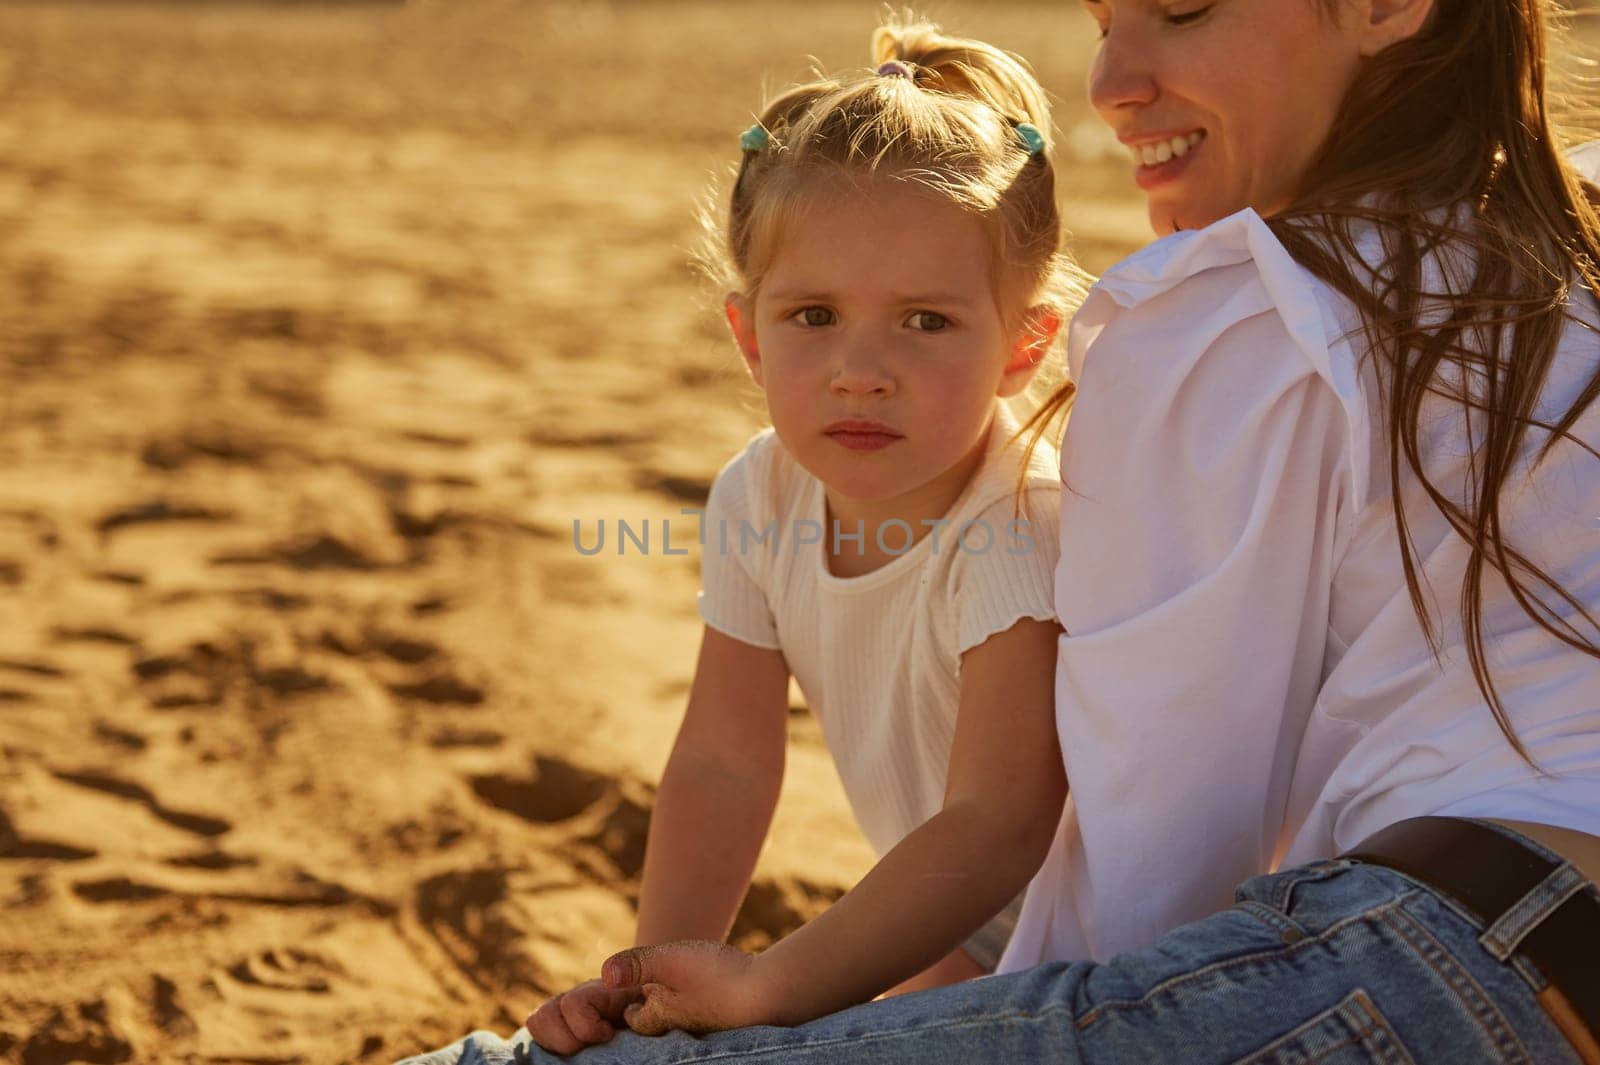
{"points": [[1192, 289], [1207, 279], [1209, 328]]}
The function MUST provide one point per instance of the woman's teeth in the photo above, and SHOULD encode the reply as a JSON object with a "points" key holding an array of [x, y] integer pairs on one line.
{"points": [[1163, 151]]}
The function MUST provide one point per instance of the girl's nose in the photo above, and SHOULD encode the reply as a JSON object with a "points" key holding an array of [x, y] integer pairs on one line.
{"points": [[1122, 75], [860, 372]]}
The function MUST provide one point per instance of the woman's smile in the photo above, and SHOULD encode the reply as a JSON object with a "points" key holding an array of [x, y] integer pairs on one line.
{"points": [[1164, 157]]}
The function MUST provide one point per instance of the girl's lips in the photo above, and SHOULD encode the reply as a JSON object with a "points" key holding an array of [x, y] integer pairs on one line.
{"points": [[857, 440]]}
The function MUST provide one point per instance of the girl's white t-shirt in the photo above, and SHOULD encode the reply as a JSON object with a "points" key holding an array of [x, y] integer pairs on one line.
{"points": [[878, 657], [1243, 683]]}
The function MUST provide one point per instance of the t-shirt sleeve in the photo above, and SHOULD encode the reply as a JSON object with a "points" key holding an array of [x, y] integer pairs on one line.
{"points": [[732, 599], [1007, 567]]}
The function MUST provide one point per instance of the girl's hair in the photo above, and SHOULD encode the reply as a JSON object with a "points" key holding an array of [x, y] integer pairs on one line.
{"points": [[950, 128]]}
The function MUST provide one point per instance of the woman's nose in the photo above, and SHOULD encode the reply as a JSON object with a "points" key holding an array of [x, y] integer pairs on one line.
{"points": [[1123, 74]]}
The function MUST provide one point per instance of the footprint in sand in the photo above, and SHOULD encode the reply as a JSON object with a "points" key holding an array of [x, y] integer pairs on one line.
{"points": [[118, 889], [214, 860], [377, 642], [322, 551], [216, 443], [296, 889], [13, 845], [119, 737], [286, 969], [156, 512], [199, 824], [441, 827], [166, 1010], [93, 634], [773, 909], [196, 677], [32, 668], [471, 916], [26, 670], [80, 1032], [451, 736], [204, 672], [609, 817], [442, 688], [556, 790]]}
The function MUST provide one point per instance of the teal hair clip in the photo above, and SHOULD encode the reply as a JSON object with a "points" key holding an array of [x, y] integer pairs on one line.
{"points": [[1030, 138], [753, 139]]}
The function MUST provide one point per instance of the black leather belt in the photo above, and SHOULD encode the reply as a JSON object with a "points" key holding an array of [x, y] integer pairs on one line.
{"points": [[1487, 873]]}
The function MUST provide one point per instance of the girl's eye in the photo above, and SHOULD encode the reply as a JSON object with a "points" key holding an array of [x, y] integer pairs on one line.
{"points": [[816, 317], [928, 322]]}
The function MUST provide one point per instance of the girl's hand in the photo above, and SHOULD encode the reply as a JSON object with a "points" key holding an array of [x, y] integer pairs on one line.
{"points": [[588, 1014], [693, 986]]}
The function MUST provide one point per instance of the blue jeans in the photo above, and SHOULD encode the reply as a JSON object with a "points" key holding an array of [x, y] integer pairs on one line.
{"points": [[1334, 962]]}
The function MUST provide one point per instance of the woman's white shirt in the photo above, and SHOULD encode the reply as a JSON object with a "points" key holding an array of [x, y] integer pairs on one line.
{"points": [[1243, 682]]}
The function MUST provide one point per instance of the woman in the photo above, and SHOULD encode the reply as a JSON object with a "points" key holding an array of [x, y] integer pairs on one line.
{"points": [[1335, 574]]}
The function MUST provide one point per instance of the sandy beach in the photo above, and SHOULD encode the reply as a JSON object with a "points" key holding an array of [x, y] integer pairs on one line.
{"points": [[321, 741]]}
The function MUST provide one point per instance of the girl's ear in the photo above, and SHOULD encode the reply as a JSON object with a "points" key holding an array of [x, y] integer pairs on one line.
{"points": [[741, 319], [1039, 328]]}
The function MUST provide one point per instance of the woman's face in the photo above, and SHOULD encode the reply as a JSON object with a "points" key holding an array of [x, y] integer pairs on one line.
{"points": [[1224, 102]]}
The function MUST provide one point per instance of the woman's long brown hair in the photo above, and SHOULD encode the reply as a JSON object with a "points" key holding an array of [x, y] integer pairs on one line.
{"points": [[1445, 143]]}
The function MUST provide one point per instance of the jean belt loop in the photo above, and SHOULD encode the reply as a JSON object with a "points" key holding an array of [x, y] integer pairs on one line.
{"points": [[1506, 934]]}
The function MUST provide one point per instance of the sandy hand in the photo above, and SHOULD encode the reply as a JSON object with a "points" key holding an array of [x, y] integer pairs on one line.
{"points": [[584, 1016], [694, 986]]}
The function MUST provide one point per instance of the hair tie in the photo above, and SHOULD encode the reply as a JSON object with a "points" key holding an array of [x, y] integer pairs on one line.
{"points": [[753, 139], [1030, 138], [896, 69]]}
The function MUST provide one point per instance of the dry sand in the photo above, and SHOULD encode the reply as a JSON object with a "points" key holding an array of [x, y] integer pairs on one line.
{"points": [[319, 740]]}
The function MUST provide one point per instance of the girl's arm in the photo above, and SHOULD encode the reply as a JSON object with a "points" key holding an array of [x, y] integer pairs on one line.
{"points": [[711, 816], [717, 795], [1003, 801], [951, 969]]}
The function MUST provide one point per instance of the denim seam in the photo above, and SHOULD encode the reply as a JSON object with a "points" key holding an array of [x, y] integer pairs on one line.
{"points": [[1529, 972], [1283, 893], [1465, 986], [1356, 1010], [1385, 1040], [1371, 916], [858, 1038], [1284, 924]]}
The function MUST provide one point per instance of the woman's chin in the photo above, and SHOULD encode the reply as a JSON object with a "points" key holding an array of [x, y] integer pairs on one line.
{"points": [[1168, 216]]}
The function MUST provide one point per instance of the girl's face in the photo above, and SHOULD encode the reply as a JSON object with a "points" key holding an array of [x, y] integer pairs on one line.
{"points": [[877, 339], [1224, 102]]}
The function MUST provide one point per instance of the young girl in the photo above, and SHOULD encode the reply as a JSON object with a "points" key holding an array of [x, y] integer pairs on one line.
{"points": [[891, 256]]}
